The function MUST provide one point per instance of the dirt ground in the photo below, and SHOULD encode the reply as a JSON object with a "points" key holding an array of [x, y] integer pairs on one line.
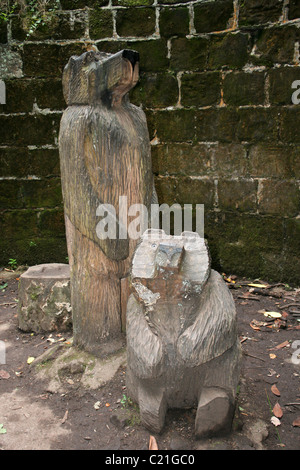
{"points": [[34, 416]]}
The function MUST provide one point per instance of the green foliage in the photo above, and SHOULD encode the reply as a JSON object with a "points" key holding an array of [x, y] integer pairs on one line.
{"points": [[126, 401], [7, 9], [13, 263], [32, 13]]}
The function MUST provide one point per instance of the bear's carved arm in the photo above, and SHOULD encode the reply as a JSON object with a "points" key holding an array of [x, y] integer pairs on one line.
{"points": [[144, 348], [213, 332]]}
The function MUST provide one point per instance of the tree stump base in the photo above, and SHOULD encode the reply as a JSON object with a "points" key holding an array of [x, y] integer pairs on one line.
{"points": [[44, 298]]}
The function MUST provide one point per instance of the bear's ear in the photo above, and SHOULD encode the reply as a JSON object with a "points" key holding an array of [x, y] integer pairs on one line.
{"points": [[67, 72], [75, 78]]}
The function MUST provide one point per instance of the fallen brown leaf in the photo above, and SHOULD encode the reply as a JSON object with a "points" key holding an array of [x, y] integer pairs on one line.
{"points": [[4, 374], [255, 325], [277, 410], [275, 390], [152, 443], [296, 421]]}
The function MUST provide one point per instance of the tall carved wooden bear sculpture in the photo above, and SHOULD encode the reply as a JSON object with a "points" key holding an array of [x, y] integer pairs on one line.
{"points": [[104, 153], [182, 344]]}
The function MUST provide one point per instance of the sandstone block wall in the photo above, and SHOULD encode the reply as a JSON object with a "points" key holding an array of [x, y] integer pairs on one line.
{"points": [[216, 85]]}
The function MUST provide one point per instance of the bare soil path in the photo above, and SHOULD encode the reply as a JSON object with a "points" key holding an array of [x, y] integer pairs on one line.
{"points": [[35, 415]]}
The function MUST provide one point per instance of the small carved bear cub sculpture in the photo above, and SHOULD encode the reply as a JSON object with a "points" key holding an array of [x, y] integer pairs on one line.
{"points": [[182, 344]]}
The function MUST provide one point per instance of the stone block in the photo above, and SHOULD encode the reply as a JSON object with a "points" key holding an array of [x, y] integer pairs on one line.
{"points": [[11, 195], [257, 124], [213, 16], [18, 224], [181, 159], [166, 190], [289, 129], [229, 160], [3, 32], [156, 90], [295, 161], [49, 218], [230, 50], [100, 23], [292, 236], [135, 22], [185, 190], [199, 190], [47, 60], [174, 125], [22, 161], [41, 193], [281, 80], [189, 53], [216, 124], [11, 65], [200, 89], [44, 298], [30, 194], [181, 352], [23, 94], [49, 94], [174, 21], [275, 45], [237, 195], [250, 245], [269, 160], [279, 198], [291, 269], [153, 54], [294, 9], [255, 12], [22, 130], [19, 96], [241, 88]]}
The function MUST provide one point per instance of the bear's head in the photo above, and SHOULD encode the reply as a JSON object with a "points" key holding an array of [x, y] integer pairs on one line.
{"points": [[99, 78]]}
